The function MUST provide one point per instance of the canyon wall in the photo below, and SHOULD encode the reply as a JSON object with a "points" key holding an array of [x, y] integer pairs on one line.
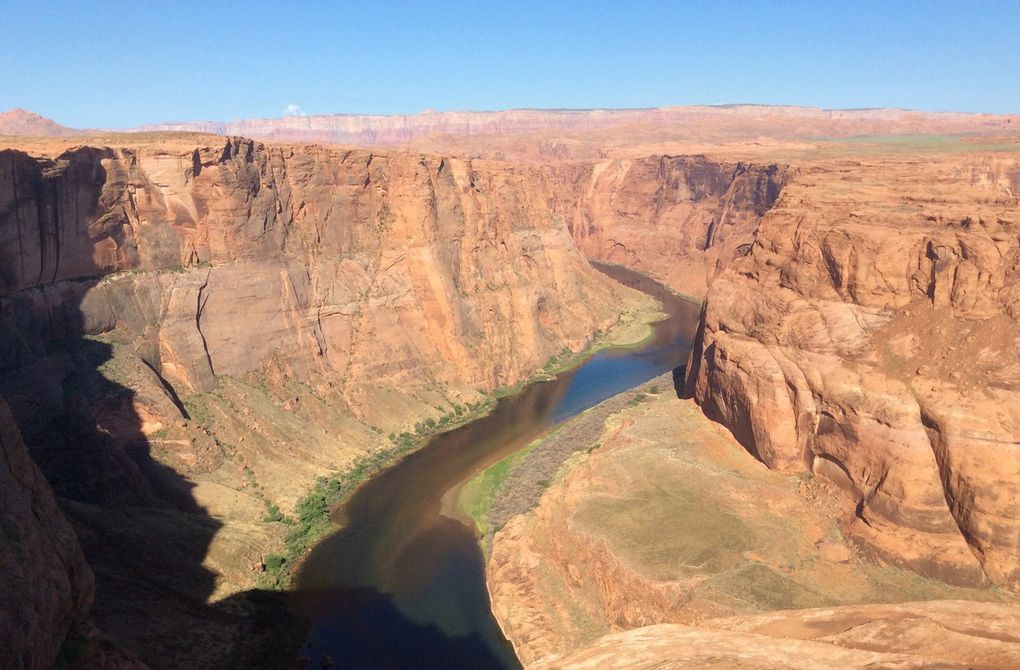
{"points": [[871, 336], [346, 263], [680, 219], [860, 331], [192, 335]]}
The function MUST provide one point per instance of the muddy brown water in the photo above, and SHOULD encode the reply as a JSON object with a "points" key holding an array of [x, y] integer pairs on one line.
{"points": [[400, 585]]}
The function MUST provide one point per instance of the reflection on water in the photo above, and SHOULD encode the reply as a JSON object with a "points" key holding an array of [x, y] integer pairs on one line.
{"points": [[401, 585]]}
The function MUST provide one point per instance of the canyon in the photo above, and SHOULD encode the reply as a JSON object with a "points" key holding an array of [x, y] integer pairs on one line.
{"points": [[196, 328], [863, 340]]}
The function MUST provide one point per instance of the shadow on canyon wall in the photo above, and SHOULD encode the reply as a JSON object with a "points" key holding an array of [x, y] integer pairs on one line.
{"points": [[146, 538], [142, 532]]}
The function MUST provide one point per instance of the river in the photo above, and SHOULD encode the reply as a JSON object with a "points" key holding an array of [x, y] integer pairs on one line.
{"points": [[400, 585]]}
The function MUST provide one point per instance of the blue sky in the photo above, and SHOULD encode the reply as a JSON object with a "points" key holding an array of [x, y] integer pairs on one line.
{"points": [[119, 64]]}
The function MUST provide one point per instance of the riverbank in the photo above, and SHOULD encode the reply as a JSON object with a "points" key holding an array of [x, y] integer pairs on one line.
{"points": [[515, 484]]}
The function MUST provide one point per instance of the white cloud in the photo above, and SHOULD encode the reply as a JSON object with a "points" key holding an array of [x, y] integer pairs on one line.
{"points": [[292, 110]]}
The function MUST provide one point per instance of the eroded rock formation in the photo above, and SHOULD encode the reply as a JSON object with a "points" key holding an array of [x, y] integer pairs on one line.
{"points": [[665, 519], [871, 336], [191, 334], [909, 636]]}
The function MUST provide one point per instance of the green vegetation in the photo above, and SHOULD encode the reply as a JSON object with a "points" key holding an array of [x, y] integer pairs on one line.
{"points": [[637, 399], [273, 513], [477, 496], [313, 510]]}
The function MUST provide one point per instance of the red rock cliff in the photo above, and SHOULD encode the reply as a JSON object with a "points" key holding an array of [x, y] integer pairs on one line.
{"points": [[871, 336], [150, 296], [350, 262], [679, 218]]}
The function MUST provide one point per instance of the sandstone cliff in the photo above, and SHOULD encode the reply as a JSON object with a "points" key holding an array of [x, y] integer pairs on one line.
{"points": [[870, 336], [193, 334], [680, 219]]}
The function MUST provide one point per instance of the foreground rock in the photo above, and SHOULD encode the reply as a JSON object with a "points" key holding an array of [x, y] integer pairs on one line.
{"points": [[943, 634], [668, 520]]}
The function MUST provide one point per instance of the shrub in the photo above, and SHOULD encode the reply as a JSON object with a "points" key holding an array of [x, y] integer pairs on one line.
{"points": [[273, 512]]}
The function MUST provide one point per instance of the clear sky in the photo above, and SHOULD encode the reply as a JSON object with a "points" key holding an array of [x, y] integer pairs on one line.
{"points": [[119, 64]]}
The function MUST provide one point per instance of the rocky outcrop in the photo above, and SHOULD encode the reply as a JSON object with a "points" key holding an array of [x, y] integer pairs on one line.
{"points": [[870, 336], [667, 520], [47, 587]]}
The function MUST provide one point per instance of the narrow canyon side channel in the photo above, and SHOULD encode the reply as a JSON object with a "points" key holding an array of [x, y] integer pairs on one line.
{"points": [[401, 580]]}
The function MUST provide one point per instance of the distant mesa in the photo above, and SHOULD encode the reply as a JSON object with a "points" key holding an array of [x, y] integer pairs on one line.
{"points": [[702, 123], [709, 123], [23, 122]]}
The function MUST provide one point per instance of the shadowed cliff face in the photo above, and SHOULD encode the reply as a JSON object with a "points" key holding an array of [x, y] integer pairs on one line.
{"points": [[871, 336], [47, 586], [145, 537]]}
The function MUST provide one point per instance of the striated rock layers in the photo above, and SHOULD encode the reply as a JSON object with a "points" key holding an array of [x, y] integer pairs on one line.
{"points": [[190, 334], [359, 264], [871, 336]]}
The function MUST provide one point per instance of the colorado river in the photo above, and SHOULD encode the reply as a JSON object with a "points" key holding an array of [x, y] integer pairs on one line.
{"points": [[400, 585]]}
